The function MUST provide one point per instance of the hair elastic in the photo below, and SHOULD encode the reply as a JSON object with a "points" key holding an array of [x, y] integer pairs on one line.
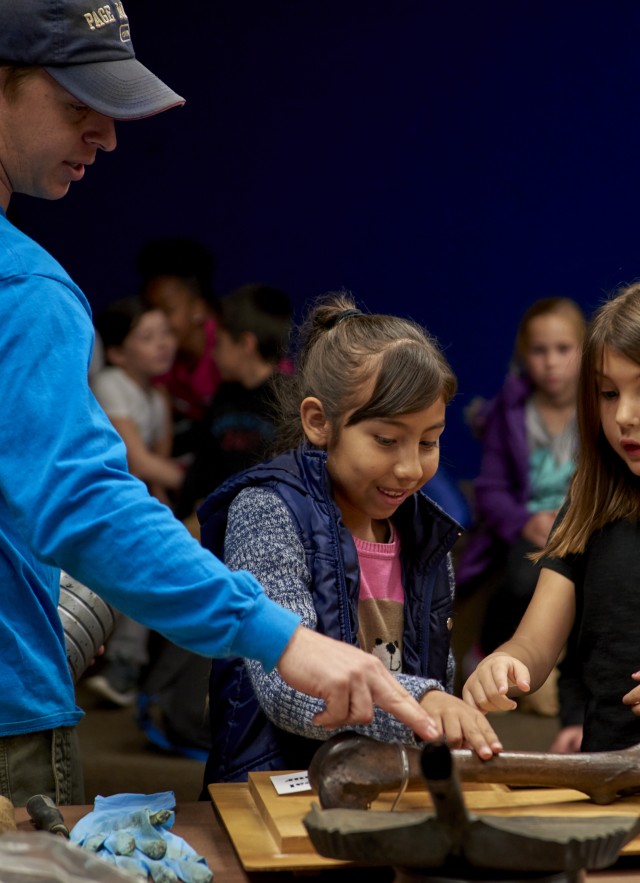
{"points": [[346, 314]]}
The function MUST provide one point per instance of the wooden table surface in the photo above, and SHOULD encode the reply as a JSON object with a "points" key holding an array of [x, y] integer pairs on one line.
{"points": [[200, 826]]}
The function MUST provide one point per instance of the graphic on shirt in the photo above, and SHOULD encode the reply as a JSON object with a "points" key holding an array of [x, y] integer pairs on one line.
{"points": [[389, 653]]}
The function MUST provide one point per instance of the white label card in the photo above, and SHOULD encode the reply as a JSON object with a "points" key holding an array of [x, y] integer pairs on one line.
{"points": [[291, 783]]}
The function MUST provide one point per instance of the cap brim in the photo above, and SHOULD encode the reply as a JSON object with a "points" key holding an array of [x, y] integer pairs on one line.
{"points": [[122, 89]]}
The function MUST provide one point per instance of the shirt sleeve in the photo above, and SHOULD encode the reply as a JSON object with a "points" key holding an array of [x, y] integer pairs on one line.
{"points": [[570, 565], [499, 499], [262, 538], [68, 500], [110, 394]]}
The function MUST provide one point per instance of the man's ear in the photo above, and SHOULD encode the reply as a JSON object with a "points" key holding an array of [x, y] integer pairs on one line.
{"points": [[314, 422]]}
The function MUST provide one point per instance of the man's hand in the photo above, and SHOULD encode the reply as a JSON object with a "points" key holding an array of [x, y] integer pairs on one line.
{"points": [[350, 682], [487, 688]]}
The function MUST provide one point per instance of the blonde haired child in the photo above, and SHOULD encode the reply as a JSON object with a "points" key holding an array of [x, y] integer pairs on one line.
{"points": [[529, 443]]}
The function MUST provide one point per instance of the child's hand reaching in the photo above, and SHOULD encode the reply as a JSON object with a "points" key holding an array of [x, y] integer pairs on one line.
{"points": [[632, 698], [487, 688], [461, 725], [568, 740]]}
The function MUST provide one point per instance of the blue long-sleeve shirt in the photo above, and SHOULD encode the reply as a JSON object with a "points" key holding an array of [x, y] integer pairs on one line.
{"points": [[67, 501]]}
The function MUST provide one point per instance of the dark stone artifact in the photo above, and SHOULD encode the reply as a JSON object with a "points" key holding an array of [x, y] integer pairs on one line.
{"points": [[351, 771], [459, 845]]}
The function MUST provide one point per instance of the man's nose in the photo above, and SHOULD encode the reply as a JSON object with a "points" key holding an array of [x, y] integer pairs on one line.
{"points": [[101, 131]]}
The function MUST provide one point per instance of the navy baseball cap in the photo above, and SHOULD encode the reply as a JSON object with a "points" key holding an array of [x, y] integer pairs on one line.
{"points": [[87, 49]]}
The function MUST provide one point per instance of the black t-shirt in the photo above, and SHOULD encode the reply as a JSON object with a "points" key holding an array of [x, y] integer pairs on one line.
{"points": [[607, 582], [236, 432]]}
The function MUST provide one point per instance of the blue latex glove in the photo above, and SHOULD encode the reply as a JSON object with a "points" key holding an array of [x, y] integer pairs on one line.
{"points": [[132, 832]]}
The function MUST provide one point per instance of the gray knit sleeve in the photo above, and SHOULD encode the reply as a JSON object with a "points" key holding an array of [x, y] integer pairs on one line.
{"points": [[262, 538]]}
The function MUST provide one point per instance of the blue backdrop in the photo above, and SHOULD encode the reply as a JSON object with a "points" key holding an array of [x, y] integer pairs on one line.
{"points": [[451, 161]]}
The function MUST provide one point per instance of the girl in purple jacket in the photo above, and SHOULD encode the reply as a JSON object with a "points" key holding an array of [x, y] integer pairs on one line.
{"points": [[528, 433]]}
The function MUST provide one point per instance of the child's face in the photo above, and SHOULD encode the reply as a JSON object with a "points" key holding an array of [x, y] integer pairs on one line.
{"points": [[619, 388], [230, 355], [376, 464], [149, 349], [552, 357], [176, 299]]}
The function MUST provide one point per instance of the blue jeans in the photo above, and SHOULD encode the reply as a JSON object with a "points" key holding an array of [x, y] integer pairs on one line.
{"points": [[47, 762]]}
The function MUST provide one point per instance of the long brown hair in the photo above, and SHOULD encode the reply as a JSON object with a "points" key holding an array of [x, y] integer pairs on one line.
{"points": [[603, 489], [341, 350]]}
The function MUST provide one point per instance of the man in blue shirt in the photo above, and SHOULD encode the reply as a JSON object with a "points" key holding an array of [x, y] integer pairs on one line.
{"points": [[67, 71]]}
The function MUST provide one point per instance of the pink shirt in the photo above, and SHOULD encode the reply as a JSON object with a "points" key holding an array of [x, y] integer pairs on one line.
{"points": [[191, 387], [381, 601]]}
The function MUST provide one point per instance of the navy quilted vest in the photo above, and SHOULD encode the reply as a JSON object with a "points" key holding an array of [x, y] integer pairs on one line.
{"points": [[242, 737]]}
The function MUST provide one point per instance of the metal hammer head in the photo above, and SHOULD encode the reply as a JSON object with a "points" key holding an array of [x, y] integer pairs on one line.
{"points": [[341, 772], [350, 770]]}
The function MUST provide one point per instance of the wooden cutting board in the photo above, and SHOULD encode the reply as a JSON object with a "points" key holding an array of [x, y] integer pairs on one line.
{"points": [[267, 831]]}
